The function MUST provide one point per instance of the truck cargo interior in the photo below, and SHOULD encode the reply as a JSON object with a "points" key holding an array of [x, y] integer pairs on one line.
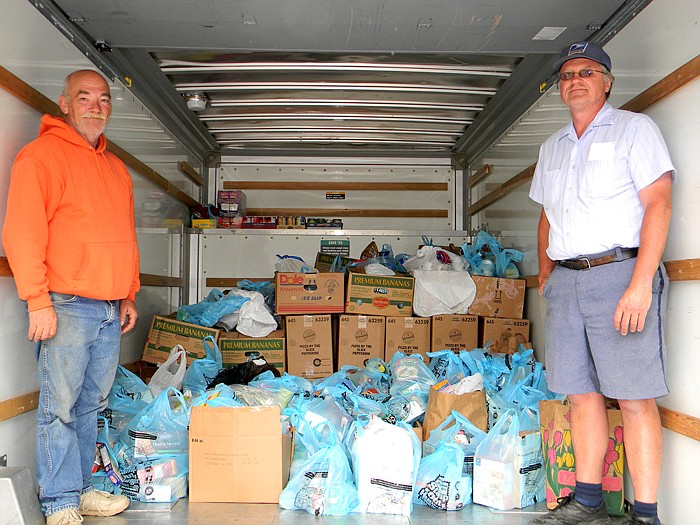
{"points": [[343, 122]]}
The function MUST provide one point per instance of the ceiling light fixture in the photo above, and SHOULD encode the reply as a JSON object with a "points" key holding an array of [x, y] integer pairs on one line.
{"points": [[196, 101]]}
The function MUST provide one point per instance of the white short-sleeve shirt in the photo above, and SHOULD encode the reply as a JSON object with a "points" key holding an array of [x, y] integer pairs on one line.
{"points": [[589, 186]]}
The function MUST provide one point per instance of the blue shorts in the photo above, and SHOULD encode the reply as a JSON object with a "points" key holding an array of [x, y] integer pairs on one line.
{"points": [[583, 351]]}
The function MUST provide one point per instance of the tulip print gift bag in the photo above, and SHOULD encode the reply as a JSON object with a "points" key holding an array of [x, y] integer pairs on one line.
{"points": [[560, 462]]}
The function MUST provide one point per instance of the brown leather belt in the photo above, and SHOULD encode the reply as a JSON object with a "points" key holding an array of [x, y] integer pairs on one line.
{"points": [[598, 259]]}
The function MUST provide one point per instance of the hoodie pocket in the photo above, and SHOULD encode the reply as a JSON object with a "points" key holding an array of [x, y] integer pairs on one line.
{"points": [[107, 270]]}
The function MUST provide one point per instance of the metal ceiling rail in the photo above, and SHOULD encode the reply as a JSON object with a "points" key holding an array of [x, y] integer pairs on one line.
{"points": [[199, 67], [336, 117], [347, 131], [445, 106], [336, 140], [187, 87]]}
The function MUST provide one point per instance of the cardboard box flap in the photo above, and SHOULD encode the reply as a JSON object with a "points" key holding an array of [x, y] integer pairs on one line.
{"points": [[255, 421]]}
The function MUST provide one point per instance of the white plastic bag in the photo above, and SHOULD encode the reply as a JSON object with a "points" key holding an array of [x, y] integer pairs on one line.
{"points": [[171, 372], [438, 292], [385, 459], [435, 258], [254, 318]]}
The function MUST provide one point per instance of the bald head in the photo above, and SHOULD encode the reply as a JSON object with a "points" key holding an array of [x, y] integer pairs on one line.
{"points": [[86, 103]]}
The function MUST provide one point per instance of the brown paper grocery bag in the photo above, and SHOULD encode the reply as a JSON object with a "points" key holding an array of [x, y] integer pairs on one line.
{"points": [[441, 404], [560, 463]]}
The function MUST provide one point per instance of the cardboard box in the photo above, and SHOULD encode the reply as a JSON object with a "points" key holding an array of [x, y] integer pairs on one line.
{"points": [[205, 223], [309, 345], [505, 334], [309, 293], [234, 346], [361, 337], [379, 295], [496, 297], [454, 332], [410, 335], [238, 454], [324, 261], [167, 332], [232, 203]]}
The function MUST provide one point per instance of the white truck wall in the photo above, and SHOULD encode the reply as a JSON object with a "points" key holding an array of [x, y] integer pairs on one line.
{"points": [[35, 51], [663, 37]]}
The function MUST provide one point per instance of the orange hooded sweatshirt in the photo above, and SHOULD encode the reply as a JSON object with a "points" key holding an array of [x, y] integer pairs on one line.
{"points": [[69, 226]]}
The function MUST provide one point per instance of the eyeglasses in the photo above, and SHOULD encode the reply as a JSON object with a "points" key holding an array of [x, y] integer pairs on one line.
{"points": [[584, 73]]}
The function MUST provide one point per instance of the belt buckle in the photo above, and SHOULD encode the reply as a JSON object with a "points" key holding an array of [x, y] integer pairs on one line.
{"points": [[588, 261]]}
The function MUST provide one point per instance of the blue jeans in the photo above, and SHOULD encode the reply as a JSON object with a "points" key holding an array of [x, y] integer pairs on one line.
{"points": [[76, 371]]}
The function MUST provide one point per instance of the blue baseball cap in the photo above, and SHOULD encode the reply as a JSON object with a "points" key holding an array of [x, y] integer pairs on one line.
{"points": [[589, 50]]}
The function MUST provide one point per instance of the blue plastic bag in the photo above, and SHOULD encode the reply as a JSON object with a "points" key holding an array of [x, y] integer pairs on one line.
{"points": [[499, 262], [323, 485], [446, 364], [160, 429], [203, 371], [440, 483], [214, 307], [459, 430], [219, 396], [127, 397]]}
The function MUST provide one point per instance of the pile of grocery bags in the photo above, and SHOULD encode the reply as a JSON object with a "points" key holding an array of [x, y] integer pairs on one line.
{"points": [[444, 432]]}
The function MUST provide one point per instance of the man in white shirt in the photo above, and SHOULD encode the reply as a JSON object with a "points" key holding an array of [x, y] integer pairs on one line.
{"points": [[604, 183]]}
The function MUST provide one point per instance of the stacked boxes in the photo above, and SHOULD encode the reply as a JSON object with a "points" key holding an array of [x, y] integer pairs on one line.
{"points": [[499, 303], [374, 319], [410, 335], [309, 345], [379, 294], [360, 338], [235, 346], [166, 332], [454, 332], [309, 293]]}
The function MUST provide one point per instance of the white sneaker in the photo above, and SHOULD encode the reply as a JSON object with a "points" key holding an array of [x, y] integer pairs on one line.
{"points": [[65, 517], [99, 503]]}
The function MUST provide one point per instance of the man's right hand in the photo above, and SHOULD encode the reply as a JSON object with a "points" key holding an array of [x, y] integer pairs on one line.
{"points": [[42, 324]]}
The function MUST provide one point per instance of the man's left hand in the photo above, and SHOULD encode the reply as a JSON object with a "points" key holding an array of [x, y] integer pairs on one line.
{"points": [[127, 314], [632, 309]]}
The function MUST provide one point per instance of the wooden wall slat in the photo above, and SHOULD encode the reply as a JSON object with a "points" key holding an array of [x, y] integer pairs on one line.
{"points": [[335, 212], [232, 282], [680, 423], [191, 173], [335, 186], [683, 270], [481, 174], [503, 190], [148, 279], [19, 405], [664, 87], [5, 270], [27, 94]]}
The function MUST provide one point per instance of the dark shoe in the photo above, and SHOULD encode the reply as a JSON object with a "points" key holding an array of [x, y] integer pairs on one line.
{"points": [[571, 512], [634, 519]]}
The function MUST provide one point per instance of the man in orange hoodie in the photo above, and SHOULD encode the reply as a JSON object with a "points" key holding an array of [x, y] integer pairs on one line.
{"points": [[70, 239]]}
